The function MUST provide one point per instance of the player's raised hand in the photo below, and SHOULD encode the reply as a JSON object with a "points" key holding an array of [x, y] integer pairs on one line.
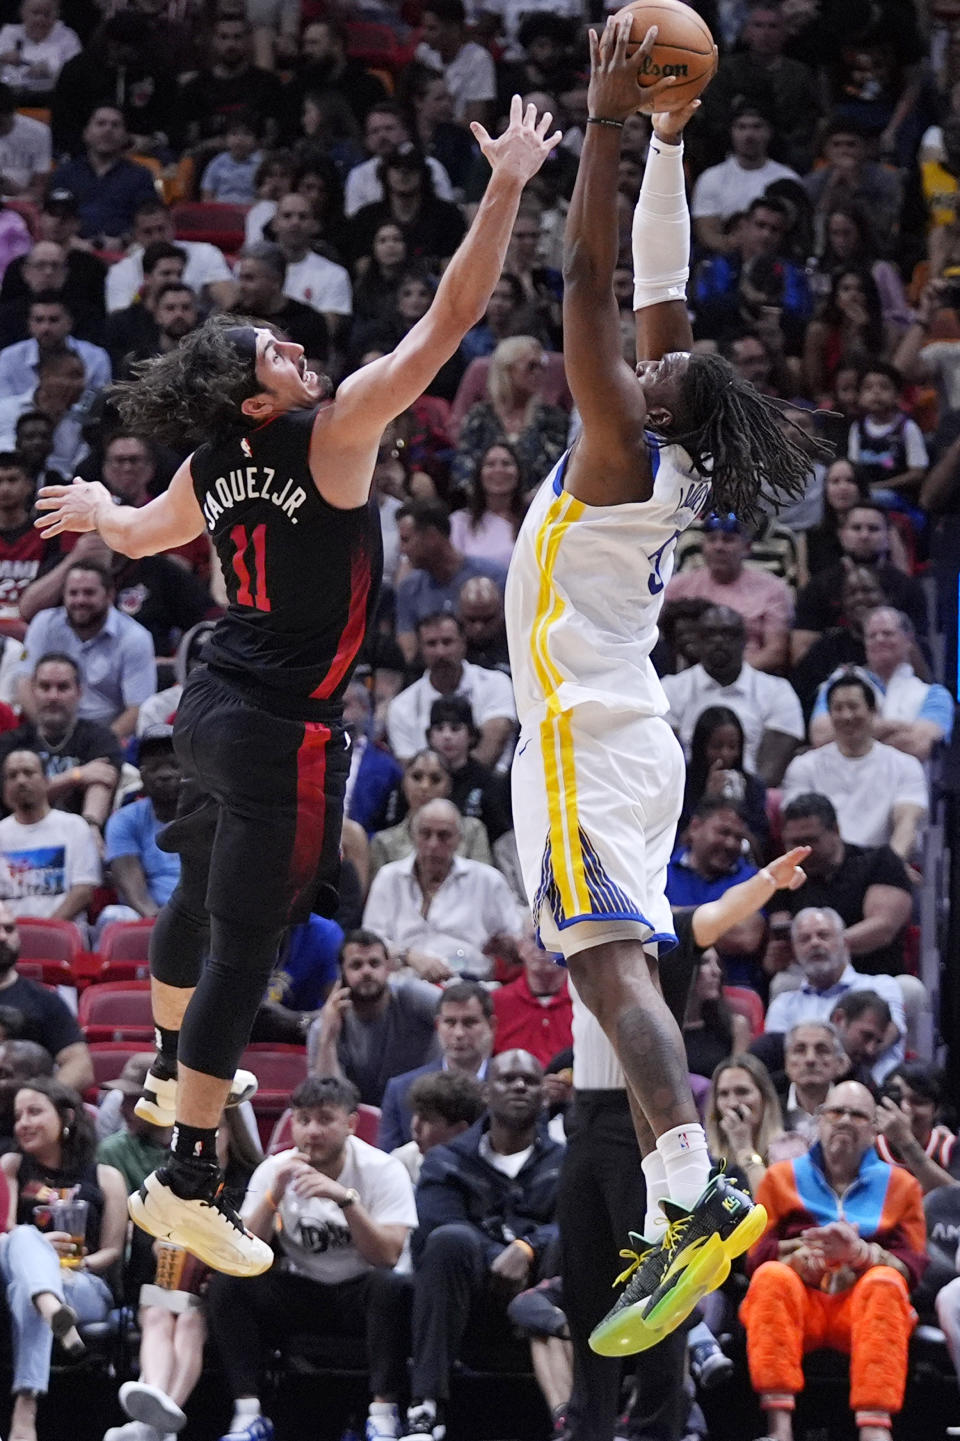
{"points": [[73, 507], [523, 146], [615, 91], [668, 125], [787, 870]]}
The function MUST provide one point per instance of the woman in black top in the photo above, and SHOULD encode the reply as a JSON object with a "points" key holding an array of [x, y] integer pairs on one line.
{"points": [[716, 769], [711, 1031], [49, 1287]]}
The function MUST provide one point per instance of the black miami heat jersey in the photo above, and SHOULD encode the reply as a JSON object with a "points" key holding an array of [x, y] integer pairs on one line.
{"points": [[302, 576]]}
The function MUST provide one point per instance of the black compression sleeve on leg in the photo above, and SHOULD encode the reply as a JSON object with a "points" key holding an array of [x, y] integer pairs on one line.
{"points": [[216, 1028], [179, 940]]}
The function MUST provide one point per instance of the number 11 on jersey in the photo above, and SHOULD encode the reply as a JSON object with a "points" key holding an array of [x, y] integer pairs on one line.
{"points": [[250, 570]]}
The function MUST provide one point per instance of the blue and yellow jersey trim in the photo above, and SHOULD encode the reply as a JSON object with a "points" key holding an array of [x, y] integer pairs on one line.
{"points": [[573, 883]]}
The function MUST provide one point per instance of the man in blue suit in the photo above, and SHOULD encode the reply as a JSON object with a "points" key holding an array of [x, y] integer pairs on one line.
{"points": [[465, 1025]]}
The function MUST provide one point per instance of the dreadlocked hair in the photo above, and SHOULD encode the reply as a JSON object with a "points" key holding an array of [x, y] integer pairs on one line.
{"points": [[743, 446], [194, 392]]}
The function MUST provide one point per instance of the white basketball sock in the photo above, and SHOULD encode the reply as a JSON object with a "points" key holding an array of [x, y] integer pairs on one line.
{"points": [[686, 1161], [655, 1174]]}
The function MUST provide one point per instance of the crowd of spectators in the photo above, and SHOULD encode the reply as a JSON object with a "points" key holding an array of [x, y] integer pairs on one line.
{"points": [[329, 150]]}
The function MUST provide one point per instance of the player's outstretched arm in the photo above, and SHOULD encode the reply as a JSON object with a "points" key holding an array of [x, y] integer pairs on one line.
{"points": [[371, 397], [174, 518], [609, 461], [737, 904], [661, 242]]}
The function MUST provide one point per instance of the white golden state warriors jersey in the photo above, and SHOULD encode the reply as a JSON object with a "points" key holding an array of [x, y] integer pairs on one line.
{"points": [[585, 589]]}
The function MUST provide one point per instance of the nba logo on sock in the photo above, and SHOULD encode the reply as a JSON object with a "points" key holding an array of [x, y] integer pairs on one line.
{"points": [[683, 1141]]}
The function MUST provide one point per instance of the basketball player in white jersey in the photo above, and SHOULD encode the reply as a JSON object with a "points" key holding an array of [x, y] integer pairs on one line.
{"points": [[598, 776]]}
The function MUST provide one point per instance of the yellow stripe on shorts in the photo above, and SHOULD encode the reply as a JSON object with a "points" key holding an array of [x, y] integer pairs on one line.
{"points": [[556, 734], [561, 514]]}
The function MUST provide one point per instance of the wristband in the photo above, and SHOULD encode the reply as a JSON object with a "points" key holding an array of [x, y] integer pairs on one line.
{"points": [[602, 120], [531, 1253]]}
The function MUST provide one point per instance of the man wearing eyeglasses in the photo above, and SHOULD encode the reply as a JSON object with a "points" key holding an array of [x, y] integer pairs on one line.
{"points": [[844, 1245]]}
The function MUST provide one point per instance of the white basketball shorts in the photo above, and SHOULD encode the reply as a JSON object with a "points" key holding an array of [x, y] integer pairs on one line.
{"points": [[596, 799]]}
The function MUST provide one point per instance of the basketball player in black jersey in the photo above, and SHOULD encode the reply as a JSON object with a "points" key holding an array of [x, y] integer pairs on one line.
{"points": [[282, 484]]}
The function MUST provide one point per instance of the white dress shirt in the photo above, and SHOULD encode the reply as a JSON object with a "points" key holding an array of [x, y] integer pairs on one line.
{"points": [[471, 905], [790, 1008], [19, 363], [762, 702]]}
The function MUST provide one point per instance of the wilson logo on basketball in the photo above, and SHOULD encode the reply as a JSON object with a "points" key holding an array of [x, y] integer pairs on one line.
{"points": [[650, 67]]}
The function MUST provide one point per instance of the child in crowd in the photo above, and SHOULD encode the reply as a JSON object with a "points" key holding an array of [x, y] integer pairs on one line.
{"points": [[230, 178], [884, 440]]}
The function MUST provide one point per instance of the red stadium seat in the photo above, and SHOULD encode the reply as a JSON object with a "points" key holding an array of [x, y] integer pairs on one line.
{"points": [[50, 973], [110, 1057], [747, 1003], [279, 1069], [368, 1126], [42, 940], [117, 1012], [125, 948], [209, 221]]}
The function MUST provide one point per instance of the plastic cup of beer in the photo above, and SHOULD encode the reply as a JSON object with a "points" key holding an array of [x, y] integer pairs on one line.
{"points": [[71, 1217]]}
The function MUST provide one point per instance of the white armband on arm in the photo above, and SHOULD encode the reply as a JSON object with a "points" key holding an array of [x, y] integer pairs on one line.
{"points": [[661, 229]]}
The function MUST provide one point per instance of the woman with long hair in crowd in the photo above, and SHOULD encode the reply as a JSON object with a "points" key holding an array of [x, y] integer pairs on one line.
{"points": [[849, 240], [716, 768], [848, 323], [711, 1030], [744, 1122], [486, 528], [514, 411], [50, 1287], [379, 274]]}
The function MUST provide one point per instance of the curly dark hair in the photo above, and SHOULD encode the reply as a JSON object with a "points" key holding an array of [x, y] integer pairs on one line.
{"points": [[193, 393], [743, 445]]}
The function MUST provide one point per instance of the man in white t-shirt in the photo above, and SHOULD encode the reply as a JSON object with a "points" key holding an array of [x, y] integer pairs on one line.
{"points": [[723, 190], [384, 132], [913, 714], [49, 863], [206, 271], [443, 647], [767, 706], [880, 794], [24, 148], [339, 1213], [311, 278], [467, 68]]}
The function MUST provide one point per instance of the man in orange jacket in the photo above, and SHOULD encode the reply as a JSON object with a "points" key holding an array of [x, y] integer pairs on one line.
{"points": [[844, 1244]]}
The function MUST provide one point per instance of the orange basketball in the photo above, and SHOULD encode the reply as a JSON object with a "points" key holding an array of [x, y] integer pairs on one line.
{"points": [[684, 48]]}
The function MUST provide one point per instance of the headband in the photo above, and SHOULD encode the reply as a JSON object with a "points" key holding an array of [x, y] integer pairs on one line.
{"points": [[243, 338]]}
